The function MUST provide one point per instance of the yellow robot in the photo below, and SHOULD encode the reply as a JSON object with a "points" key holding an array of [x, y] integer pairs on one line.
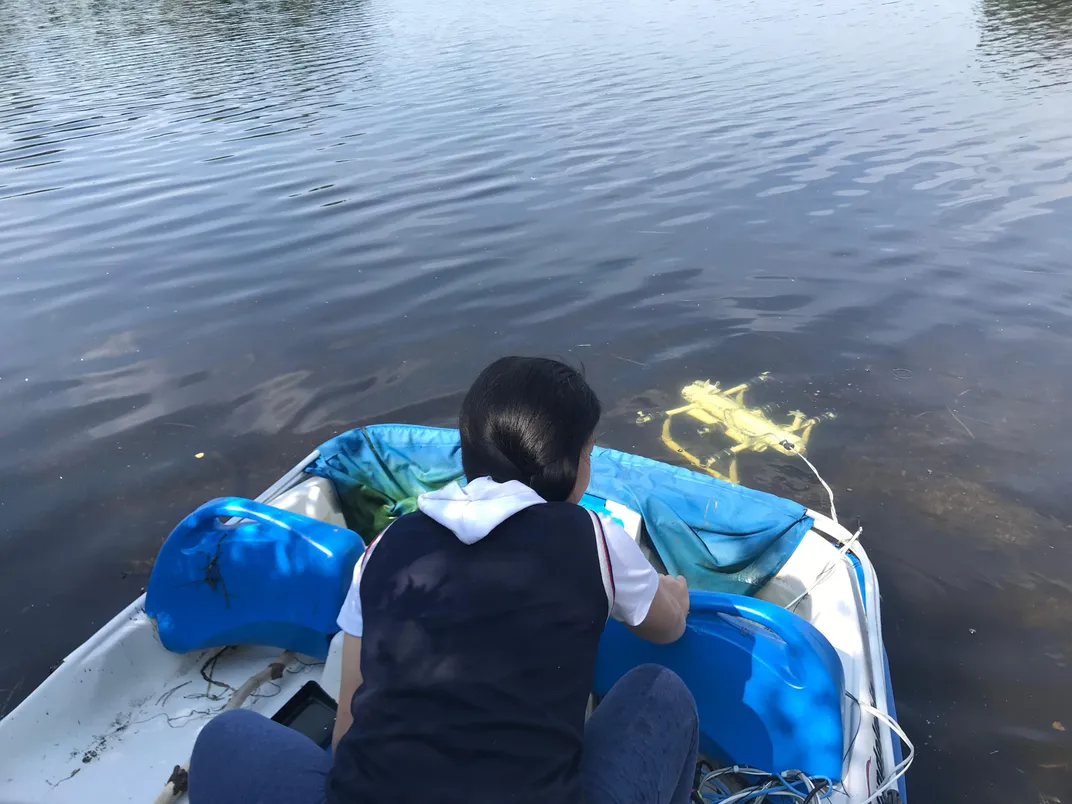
{"points": [[726, 412]]}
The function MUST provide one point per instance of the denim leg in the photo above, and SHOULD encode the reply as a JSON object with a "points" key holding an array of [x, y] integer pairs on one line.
{"points": [[241, 757], [640, 743]]}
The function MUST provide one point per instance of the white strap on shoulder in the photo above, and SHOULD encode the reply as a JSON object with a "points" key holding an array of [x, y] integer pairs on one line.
{"points": [[605, 568]]}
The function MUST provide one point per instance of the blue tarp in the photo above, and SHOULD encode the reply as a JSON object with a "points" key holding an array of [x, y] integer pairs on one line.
{"points": [[720, 536]]}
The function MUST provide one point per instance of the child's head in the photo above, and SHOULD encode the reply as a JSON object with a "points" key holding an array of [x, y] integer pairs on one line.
{"points": [[533, 420]]}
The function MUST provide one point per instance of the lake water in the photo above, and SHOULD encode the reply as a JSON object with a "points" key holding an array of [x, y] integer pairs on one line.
{"points": [[237, 228]]}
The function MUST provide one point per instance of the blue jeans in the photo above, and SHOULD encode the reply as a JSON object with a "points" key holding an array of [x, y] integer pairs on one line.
{"points": [[639, 748]]}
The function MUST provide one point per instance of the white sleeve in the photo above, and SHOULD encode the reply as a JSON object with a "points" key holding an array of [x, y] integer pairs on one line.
{"points": [[350, 619], [634, 579]]}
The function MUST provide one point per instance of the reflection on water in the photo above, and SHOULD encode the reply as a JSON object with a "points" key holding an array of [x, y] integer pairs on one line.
{"points": [[238, 228], [1029, 40]]}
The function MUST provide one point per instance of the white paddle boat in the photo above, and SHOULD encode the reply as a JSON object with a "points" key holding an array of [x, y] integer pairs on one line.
{"points": [[783, 652]]}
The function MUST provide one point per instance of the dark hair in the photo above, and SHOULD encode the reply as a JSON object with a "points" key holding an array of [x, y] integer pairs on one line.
{"points": [[528, 419]]}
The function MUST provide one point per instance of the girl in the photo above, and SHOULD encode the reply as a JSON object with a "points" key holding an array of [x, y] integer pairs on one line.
{"points": [[471, 632]]}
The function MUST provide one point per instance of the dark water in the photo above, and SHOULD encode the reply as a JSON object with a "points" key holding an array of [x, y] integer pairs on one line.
{"points": [[239, 227]]}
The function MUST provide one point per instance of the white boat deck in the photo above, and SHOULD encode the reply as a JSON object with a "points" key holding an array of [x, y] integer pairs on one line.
{"points": [[113, 720]]}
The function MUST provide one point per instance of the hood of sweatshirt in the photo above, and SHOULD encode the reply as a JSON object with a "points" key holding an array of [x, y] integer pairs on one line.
{"points": [[473, 511]]}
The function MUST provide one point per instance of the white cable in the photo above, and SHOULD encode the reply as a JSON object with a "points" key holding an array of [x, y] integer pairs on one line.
{"points": [[822, 576], [772, 785], [833, 516], [770, 788], [829, 491], [901, 768]]}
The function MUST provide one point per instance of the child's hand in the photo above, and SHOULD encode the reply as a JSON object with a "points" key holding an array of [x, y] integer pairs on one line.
{"points": [[679, 590]]}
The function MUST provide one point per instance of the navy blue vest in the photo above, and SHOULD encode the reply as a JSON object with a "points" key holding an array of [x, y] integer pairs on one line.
{"points": [[477, 662]]}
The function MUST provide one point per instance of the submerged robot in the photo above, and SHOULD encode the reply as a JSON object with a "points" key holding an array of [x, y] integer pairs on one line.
{"points": [[725, 411]]}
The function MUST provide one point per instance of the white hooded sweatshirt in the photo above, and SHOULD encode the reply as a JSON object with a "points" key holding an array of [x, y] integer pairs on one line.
{"points": [[475, 510]]}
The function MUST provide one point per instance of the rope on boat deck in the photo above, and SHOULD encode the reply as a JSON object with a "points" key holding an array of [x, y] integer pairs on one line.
{"points": [[177, 784], [794, 786]]}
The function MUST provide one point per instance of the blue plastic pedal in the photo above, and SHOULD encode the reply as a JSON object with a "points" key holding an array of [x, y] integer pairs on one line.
{"points": [[768, 685]]}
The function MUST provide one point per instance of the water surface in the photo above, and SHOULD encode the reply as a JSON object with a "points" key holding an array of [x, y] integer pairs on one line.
{"points": [[237, 228]]}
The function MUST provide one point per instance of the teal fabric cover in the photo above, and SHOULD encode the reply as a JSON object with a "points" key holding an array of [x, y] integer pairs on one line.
{"points": [[720, 536]]}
